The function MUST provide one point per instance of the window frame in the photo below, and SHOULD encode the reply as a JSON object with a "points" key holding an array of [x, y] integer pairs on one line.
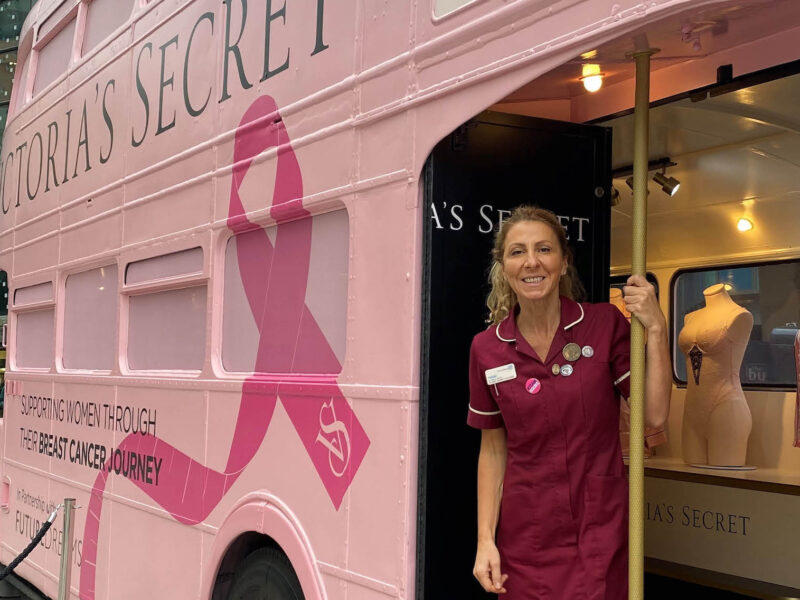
{"points": [[16, 308], [218, 331], [85, 6], [673, 337], [61, 304], [74, 13]]}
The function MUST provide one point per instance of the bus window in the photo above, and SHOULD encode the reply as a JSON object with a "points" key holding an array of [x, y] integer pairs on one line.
{"points": [[90, 319], [33, 294], [54, 58], [174, 264], [103, 17], [167, 330], [33, 345], [16, 66], [771, 293], [326, 299]]}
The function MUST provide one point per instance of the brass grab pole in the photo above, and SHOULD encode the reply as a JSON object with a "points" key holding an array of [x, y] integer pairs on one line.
{"points": [[636, 463]]}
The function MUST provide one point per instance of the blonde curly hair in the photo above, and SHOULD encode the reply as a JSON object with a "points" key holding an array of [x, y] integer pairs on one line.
{"points": [[502, 299]]}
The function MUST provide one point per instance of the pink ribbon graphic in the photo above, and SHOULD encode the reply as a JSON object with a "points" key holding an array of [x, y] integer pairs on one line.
{"points": [[290, 341]]}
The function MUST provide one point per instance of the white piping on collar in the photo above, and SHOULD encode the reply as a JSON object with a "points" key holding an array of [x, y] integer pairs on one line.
{"points": [[501, 338], [579, 318], [497, 332]]}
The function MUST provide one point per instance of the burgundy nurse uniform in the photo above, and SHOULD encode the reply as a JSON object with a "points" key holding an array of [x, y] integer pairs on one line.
{"points": [[562, 532]]}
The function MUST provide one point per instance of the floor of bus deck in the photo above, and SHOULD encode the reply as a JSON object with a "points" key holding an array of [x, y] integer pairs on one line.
{"points": [[658, 587]]}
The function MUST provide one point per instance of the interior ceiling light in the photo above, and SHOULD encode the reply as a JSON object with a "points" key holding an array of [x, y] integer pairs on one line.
{"points": [[591, 77], [670, 185], [744, 224]]}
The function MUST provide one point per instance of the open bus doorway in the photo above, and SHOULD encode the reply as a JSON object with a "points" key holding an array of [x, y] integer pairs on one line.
{"points": [[473, 178], [716, 115]]}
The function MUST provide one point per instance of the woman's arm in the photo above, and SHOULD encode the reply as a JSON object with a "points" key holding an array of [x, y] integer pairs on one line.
{"points": [[491, 471], [640, 300]]}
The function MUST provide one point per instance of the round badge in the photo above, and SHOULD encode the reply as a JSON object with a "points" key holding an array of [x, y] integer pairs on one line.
{"points": [[587, 351], [566, 370], [533, 385], [571, 352], [556, 369]]}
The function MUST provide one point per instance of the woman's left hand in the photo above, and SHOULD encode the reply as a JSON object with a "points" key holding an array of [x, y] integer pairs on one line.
{"points": [[640, 300]]}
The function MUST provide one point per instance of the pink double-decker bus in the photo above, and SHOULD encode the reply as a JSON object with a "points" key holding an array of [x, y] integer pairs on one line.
{"points": [[246, 245]]}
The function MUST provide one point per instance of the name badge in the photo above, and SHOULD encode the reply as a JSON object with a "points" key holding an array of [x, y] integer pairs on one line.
{"points": [[501, 374]]}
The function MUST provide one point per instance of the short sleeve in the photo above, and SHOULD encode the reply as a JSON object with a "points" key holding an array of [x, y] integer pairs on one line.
{"points": [[483, 410], [620, 353]]}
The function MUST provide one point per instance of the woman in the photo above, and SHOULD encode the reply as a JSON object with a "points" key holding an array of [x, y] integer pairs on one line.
{"points": [[544, 384]]}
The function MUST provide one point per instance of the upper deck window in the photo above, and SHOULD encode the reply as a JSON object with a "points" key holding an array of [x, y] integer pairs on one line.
{"points": [[12, 16], [54, 57], [19, 72], [103, 18]]}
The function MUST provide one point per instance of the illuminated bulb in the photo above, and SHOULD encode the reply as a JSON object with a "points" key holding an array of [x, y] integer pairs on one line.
{"points": [[591, 77], [744, 224], [593, 83]]}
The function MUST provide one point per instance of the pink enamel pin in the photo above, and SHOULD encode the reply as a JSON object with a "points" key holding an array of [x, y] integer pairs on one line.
{"points": [[533, 385]]}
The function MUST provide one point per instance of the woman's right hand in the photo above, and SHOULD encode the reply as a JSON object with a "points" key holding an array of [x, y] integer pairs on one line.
{"points": [[487, 568]]}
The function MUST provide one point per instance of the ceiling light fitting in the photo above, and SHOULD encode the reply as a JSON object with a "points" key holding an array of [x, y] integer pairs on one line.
{"points": [[744, 224], [592, 77], [670, 185]]}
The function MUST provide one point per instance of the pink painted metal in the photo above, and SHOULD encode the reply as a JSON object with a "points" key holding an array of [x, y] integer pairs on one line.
{"points": [[193, 490], [165, 136]]}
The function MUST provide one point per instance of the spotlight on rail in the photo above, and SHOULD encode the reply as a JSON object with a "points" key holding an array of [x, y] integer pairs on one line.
{"points": [[670, 185]]}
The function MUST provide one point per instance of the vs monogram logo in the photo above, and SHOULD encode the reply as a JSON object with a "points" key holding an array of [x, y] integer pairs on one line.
{"points": [[333, 435]]}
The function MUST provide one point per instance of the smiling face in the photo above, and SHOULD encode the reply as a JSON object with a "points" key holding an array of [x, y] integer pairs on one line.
{"points": [[533, 260]]}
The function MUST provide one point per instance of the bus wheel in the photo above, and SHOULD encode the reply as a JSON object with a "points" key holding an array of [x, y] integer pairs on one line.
{"points": [[266, 574]]}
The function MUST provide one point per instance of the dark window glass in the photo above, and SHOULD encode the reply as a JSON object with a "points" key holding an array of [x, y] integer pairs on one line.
{"points": [[618, 281], [771, 292]]}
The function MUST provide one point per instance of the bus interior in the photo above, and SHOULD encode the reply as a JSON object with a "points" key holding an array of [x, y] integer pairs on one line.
{"points": [[724, 87]]}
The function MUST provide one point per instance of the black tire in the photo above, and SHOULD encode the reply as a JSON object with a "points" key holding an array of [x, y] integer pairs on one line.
{"points": [[265, 574]]}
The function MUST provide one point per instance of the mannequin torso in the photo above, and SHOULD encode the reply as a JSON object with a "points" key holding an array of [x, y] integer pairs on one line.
{"points": [[717, 421]]}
